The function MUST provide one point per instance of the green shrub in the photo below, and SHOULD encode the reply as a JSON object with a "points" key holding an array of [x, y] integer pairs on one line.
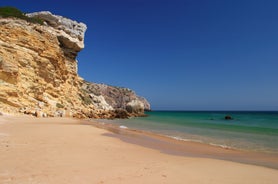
{"points": [[14, 12], [58, 105], [86, 99], [10, 12]]}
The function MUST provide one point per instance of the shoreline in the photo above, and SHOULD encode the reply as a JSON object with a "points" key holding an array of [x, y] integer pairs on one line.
{"points": [[172, 146], [69, 151], [247, 131]]}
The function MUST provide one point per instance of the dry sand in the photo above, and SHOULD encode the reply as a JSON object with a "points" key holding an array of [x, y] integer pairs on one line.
{"points": [[64, 151]]}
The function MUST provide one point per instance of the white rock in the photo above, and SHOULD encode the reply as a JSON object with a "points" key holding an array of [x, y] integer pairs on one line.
{"points": [[40, 104], [135, 106], [100, 102], [69, 32]]}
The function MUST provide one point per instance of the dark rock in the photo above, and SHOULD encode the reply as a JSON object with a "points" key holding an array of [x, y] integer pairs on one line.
{"points": [[228, 117], [121, 114]]}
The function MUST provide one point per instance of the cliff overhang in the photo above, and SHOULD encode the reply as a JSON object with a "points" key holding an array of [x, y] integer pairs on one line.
{"points": [[70, 33], [38, 73]]}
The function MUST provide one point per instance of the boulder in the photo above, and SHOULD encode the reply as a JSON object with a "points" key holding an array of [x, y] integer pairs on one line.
{"points": [[135, 106], [121, 114], [228, 117]]}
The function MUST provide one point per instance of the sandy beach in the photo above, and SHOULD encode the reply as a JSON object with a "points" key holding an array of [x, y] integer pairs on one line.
{"points": [[65, 151]]}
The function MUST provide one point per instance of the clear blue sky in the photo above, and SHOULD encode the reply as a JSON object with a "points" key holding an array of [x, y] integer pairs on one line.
{"points": [[179, 54]]}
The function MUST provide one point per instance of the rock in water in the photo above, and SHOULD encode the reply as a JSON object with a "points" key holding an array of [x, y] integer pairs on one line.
{"points": [[228, 117]]}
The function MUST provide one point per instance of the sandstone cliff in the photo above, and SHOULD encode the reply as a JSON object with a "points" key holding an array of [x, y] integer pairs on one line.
{"points": [[38, 73]]}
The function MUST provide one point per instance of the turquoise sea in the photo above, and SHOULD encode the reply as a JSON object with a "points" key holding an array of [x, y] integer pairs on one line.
{"points": [[255, 131]]}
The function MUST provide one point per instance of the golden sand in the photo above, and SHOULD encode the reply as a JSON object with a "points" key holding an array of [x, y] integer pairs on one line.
{"points": [[65, 151]]}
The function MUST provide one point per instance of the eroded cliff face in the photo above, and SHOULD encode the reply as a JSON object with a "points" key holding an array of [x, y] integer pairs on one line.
{"points": [[38, 72], [107, 97]]}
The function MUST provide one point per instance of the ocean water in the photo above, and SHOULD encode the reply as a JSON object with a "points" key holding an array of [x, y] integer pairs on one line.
{"points": [[255, 131]]}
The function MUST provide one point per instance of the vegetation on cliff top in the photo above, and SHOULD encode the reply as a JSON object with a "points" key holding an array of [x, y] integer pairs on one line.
{"points": [[14, 12]]}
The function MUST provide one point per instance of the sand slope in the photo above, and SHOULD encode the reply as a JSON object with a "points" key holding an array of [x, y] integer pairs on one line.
{"points": [[63, 151]]}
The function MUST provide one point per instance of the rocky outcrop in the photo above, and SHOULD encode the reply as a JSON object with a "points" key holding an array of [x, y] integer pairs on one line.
{"points": [[69, 33], [109, 97], [38, 73]]}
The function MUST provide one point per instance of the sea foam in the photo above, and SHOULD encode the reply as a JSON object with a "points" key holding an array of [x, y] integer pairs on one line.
{"points": [[123, 127]]}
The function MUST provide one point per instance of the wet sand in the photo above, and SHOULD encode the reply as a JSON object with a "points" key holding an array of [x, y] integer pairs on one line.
{"points": [[187, 148], [62, 150]]}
